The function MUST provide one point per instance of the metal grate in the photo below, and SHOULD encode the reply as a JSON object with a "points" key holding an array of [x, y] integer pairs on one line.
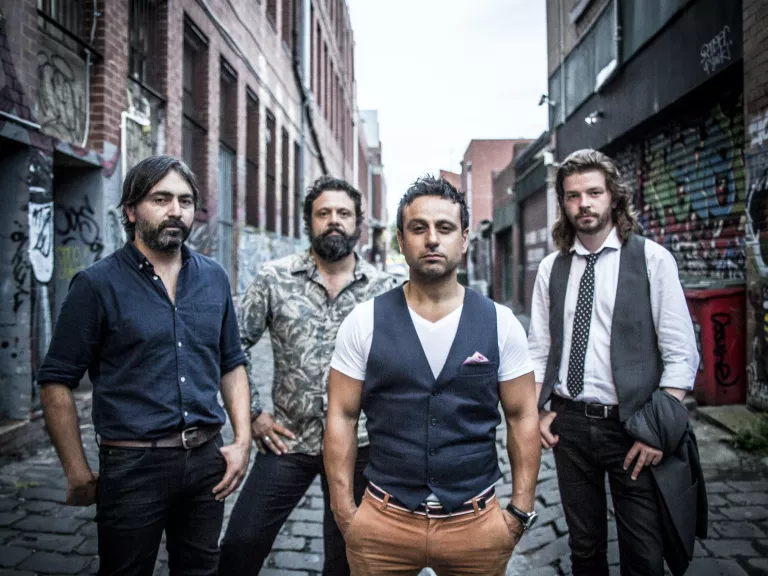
{"points": [[144, 43], [68, 14]]}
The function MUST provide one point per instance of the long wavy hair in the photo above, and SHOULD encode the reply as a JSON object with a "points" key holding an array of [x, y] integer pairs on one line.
{"points": [[623, 215]]}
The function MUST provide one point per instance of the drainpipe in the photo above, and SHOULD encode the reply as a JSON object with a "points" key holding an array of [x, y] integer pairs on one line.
{"points": [[305, 103], [88, 64]]}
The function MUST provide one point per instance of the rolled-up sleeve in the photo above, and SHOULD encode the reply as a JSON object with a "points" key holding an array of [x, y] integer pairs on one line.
{"points": [[76, 336], [232, 354], [674, 328]]}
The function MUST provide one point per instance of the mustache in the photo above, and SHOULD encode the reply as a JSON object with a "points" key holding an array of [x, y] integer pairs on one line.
{"points": [[332, 229], [173, 223]]}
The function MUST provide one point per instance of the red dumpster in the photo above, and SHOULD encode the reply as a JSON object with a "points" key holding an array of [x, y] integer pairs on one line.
{"points": [[719, 320]]}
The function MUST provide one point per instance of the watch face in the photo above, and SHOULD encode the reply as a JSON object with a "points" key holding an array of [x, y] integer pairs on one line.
{"points": [[531, 520]]}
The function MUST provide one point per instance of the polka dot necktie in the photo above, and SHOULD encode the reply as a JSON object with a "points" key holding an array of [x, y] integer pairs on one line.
{"points": [[581, 322]]}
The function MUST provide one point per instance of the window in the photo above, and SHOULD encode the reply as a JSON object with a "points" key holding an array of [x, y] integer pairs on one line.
{"points": [[287, 24], [226, 194], [144, 44], [271, 170], [194, 103], [296, 190], [641, 19], [62, 15], [272, 14], [228, 105], [252, 160], [285, 198]]}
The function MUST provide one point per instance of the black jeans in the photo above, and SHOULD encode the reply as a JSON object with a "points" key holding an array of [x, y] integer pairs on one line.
{"points": [[588, 449], [272, 490], [142, 492]]}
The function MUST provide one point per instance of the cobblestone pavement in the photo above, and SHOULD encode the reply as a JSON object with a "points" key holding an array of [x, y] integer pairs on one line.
{"points": [[39, 535]]}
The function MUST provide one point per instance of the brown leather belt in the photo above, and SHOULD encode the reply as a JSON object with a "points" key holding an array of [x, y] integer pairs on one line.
{"points": [[188, 438]]}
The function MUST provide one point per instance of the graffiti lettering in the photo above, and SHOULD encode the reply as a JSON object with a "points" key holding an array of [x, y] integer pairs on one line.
{"points": [[60, 98], [758, 129], [69, 261], [20, 268], [720, 322], [717, 51], [79, 224]]}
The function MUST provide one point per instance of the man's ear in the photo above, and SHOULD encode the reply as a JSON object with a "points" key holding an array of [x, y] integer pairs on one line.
{"points": [[400, 240]]}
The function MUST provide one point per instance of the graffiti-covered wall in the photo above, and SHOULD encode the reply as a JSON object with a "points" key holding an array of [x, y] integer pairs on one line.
{"points": [[257, 247], [690, 189]]}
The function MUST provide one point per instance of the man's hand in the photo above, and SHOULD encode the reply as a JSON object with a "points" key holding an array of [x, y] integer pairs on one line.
{"points": [[548, 440], [236, 456], [514, 526], [344, 517], [266, 433], [81, 491], [648, 456]]}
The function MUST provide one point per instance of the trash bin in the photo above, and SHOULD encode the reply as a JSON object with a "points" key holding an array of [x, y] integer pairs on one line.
{"points": [[719, 320]]}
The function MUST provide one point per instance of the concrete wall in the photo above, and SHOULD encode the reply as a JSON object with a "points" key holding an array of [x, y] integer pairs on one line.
{"points": [[756, 112]]}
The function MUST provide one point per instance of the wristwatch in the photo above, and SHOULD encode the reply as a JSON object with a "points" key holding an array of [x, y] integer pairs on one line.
{"points": [[527, 519]]}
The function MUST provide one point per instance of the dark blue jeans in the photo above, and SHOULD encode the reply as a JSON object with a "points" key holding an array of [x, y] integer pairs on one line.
{"points": [[269, 494], [142, 492], [588, 450]]}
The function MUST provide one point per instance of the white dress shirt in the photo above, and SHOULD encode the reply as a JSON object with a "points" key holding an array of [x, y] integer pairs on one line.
{"points": [[671, 318]]}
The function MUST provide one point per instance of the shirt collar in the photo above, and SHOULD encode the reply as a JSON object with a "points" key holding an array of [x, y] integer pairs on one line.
{"points": [[612, 242], [306, 263], [137, 257]]}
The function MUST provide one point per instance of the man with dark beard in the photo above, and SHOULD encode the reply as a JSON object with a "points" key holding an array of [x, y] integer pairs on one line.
{"points": [[302, 299], [155, 326]]}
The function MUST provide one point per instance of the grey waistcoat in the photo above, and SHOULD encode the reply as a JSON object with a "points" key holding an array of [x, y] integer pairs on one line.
{"points": [[635, 357]]}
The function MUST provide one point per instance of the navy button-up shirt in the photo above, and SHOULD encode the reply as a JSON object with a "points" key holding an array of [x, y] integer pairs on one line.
{"points": [[155, 365]]}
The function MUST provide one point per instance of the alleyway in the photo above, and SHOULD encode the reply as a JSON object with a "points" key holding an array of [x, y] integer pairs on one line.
{"points": [[39, 535]]}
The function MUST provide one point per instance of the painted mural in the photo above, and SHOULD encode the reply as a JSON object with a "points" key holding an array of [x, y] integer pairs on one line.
{"points": [[689, 183], [757, 262], [255, 247]]}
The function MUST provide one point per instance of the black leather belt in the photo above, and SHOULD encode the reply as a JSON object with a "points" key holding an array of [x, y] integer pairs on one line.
{"points": [[597, 411], [435, 510], [188, 438]]}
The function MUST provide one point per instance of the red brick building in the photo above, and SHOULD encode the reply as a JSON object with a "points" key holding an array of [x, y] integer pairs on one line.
{"points": [[257, 97]]}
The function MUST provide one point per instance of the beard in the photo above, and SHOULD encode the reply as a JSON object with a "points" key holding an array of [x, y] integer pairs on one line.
{"points": [[434, 272], [333, 248], [598, 225], [159, 238]]}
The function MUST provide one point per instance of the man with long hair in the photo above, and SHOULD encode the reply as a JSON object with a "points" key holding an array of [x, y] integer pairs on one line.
{"points": [[429, 363], [610, 331], [155, 326], [301, 299]]}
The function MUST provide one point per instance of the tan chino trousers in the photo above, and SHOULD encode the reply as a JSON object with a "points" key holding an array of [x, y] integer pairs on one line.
{"points": [[383, 541]]}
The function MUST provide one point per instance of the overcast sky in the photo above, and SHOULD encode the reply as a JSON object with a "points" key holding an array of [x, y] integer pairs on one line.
{"points": [[442, 72]]}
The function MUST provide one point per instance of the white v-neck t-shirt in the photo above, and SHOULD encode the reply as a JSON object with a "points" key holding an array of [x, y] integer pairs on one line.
{"points": [[353, 342]]}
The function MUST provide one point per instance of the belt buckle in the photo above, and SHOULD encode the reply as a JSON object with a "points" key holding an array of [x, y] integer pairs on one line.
{"points": [[184, 442], [597, 416]]}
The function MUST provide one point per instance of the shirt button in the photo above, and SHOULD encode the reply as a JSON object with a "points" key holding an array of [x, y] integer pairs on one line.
{"points": [[432, 451], [432, 480], [435, 392], [154, 277], [434, 422], [179, 344], [183, 379], [186, 413]]}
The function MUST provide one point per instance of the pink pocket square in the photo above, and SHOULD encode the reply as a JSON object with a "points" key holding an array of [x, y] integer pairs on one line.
{"points": [[476, 358]]}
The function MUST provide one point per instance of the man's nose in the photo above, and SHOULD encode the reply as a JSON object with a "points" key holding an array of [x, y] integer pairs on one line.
{"points": [[174, 209], [432, 238]]}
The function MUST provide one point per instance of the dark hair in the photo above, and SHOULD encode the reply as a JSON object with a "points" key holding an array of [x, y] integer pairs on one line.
{"points": [[624, 216], [145, 176], [430, 186], [323, 184]]}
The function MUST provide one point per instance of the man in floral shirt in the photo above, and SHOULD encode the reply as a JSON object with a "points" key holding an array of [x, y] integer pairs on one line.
{"points": [[302, 299]]}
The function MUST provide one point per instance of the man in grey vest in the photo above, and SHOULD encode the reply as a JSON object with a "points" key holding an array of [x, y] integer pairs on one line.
{"points": [[429, 363], [609, 331]]}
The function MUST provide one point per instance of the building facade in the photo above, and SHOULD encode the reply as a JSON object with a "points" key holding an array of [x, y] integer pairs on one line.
{"points": [[374, 187], [675, 91], [257, 97], [482, 159], [523, 215]]}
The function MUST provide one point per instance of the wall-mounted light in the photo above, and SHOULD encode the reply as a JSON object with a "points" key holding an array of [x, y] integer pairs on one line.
{"points": [[594, 117], [545, 100]]}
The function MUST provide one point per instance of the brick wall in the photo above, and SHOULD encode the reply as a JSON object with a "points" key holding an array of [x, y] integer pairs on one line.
{"points": [[18, 49], [755, 22]]}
